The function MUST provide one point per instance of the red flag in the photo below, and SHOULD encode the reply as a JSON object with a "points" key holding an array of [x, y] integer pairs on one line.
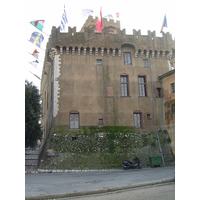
{"points": [[36, 22], [117, 15], [35, 51], [35, 54], [35, 75], [99, 24]]}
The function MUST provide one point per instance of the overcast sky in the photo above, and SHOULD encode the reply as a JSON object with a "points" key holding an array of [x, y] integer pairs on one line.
{"points": [[140, 15]]}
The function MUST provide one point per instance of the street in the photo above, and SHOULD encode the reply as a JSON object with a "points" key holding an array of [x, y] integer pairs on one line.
{"points": [[158, 192], [73, 182]]}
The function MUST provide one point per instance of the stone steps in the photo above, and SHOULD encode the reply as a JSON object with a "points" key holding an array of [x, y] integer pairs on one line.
{"points": [[31, 160]]}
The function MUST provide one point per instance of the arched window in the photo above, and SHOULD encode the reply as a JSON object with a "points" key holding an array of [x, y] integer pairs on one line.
{"points": [[74, 119]]}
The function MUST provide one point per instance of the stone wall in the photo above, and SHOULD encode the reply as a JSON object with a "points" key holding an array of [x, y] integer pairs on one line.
{"points": [[103, 148]]}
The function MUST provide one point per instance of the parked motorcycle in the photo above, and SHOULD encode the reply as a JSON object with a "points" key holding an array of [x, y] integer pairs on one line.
{"points": [[132, 165]]}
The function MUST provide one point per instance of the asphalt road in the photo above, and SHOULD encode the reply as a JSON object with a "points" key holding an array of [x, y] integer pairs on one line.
{"points": [[73, 182], [158, 192]]}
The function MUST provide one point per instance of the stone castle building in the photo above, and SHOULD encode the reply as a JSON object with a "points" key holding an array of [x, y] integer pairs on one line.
{"points": [[104, 79]]}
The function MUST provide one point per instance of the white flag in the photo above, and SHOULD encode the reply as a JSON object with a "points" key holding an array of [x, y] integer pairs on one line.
{"points": [[109, 16], [87, 12]]}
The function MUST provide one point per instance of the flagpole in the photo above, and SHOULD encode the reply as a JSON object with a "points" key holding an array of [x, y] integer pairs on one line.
{"points": [[64, 10], [45, 33]]}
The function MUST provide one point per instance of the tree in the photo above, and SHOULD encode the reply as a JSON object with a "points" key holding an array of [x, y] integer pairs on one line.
{"points": [[33, 130]]}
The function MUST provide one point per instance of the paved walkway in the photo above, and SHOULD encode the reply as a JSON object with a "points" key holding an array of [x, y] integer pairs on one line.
{"points": [[58, 185]]}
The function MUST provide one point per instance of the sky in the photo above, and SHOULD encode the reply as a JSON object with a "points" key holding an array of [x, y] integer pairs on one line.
{"points": [[139, 15]]}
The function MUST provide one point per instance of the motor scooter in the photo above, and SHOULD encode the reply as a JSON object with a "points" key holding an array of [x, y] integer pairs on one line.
{"points": [[132, 165]]}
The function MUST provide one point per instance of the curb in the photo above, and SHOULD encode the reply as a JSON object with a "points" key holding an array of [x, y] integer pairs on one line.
{"points": [[76, 170], [105, 190], [67, 170]]}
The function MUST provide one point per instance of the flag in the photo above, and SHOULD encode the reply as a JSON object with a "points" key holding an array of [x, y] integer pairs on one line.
{"points": [[117, 15], [63, 20], [163, 25], [87, 12], [35, 75], [99, 24], [39, 24], [34, 63], [109, 16], [35, 54], [36, 38]]}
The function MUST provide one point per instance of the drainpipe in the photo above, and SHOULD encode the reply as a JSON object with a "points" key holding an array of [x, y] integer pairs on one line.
{"points": [[154, 114], [161, 81]]}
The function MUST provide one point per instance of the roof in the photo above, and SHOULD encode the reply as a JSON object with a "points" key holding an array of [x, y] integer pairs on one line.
{"points": [[160, 77]]}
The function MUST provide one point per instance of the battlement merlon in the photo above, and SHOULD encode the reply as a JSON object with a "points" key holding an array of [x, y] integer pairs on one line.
{"points": [[91, 22]]}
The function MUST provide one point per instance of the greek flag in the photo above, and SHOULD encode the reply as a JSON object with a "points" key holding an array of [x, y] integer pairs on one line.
{"points": [[63, 20]]}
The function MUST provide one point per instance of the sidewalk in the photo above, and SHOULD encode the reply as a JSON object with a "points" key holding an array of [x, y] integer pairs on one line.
{"points": [[69, 184]]}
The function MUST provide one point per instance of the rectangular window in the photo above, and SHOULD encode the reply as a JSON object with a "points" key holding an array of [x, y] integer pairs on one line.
{"points": [[127, 59], [172, 86], [99, 62], [173, 109], [159, 92], [74, 120], [74, 138], [100, 121], [142, 86], [148, 116], [124, 86], [137, 120], [145, 63]]}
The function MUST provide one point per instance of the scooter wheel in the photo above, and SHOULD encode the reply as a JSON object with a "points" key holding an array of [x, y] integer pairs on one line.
{"points": [[140, 166], [124, 167]]}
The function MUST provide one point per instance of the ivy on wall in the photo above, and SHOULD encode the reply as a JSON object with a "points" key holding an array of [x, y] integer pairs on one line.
{"points": [[100, 148]]}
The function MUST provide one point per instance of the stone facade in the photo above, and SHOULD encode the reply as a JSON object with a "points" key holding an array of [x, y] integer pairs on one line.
{"points": [[97, 79], [168, 84]]}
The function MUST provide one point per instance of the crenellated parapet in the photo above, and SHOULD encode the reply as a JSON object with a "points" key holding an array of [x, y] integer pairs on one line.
{"points": [[161, 46], [109, 42]]}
